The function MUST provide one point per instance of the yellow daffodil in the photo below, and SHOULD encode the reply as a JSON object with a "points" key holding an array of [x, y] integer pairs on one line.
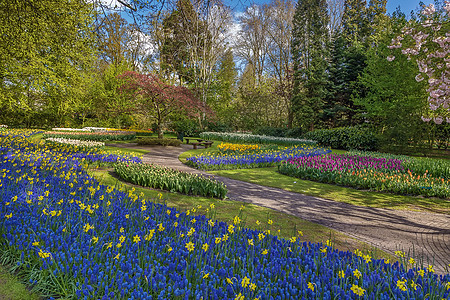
{"points": [[357, 273], [190, 246], [357, 290]]}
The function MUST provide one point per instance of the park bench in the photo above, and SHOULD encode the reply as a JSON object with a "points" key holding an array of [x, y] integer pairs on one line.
{"points": [[200, 142]]}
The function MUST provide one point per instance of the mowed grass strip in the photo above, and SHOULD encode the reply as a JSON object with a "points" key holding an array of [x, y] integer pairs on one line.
{"points": [[284, 225], [11, 288], [271, 178]]}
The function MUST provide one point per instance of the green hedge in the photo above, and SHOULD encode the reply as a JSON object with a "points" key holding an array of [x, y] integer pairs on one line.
{"points": [[348, 138], [156, 141], [170, 180]]}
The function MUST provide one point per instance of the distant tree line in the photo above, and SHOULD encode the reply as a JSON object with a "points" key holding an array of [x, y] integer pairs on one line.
{"points": [[295, 66]]}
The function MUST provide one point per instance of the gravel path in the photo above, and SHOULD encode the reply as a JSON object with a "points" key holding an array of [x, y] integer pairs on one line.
{"points": [[425, 234]]}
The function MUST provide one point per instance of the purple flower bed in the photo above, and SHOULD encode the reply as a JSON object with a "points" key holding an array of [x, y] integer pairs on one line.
{"points": [[339, 162]]}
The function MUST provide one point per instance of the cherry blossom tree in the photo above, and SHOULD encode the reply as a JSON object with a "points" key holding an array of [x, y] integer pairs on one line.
{"points": [[428, 42], [149, 95]]}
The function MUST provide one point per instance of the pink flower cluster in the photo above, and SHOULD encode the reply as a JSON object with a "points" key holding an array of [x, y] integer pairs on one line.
{"points": [[434, 65]]}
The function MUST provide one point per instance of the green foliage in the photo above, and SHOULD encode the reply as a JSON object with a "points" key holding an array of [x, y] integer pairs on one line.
{"points": [[361, 27], [158, 141], [271, 131], [186, 127], [393, 100], [257, 103], [47, 47], [355, 21], [104, 105], [224, 88], [217, 126], [357, 137], [162, 178], [114, 37]]}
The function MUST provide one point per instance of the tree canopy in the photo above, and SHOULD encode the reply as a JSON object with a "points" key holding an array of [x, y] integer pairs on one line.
{"points": [[149, 95]]}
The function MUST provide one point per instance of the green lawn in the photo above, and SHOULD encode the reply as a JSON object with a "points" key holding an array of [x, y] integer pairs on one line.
{"points": [[126, 150], [12, 289]]}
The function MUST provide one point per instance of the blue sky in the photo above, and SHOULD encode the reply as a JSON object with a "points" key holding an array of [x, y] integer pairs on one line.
{"points": [[405, 5]]}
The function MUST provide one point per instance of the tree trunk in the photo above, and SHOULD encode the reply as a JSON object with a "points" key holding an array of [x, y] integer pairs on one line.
{"points": [[160, 131]]}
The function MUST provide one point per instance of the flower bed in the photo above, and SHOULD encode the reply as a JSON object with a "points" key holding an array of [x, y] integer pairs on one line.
{"points": [[18, 141], [78, 143], [92, 136], [239, 148], [417, 165], [254, 139], [78, 239], [71, 129], [254, 159], [171, 180], [378, 174]]}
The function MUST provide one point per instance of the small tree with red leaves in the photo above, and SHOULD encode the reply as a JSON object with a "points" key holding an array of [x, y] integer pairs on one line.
{"points": [[150, 95]]}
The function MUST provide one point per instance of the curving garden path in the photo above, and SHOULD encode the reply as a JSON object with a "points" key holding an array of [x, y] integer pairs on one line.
{"points": [[425, 234]]}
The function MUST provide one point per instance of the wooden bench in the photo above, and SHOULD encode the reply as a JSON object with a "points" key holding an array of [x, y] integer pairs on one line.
{"points": [[199, 142]]}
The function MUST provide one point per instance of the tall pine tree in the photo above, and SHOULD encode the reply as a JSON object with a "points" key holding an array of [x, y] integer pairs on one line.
{"points": [[361, 25], [310, 54]]}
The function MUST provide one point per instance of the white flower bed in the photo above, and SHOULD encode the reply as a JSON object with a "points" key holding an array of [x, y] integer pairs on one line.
{"points": [[97, 128], [88, 129], [3, 126], [76, 142], [69, 129], [253, 138]]}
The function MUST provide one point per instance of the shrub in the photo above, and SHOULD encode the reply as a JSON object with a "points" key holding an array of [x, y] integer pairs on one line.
{"points": [[254, 139], [296, 133], [360, 138], [271, 131], [217, 126], [186, 127], [171, 180], [156, 141]]}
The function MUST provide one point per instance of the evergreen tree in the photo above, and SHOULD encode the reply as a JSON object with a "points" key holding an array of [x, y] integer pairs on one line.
{"points": [[361, 27], [310, 54], [355, 22], [225, 86], [335, 106]]}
